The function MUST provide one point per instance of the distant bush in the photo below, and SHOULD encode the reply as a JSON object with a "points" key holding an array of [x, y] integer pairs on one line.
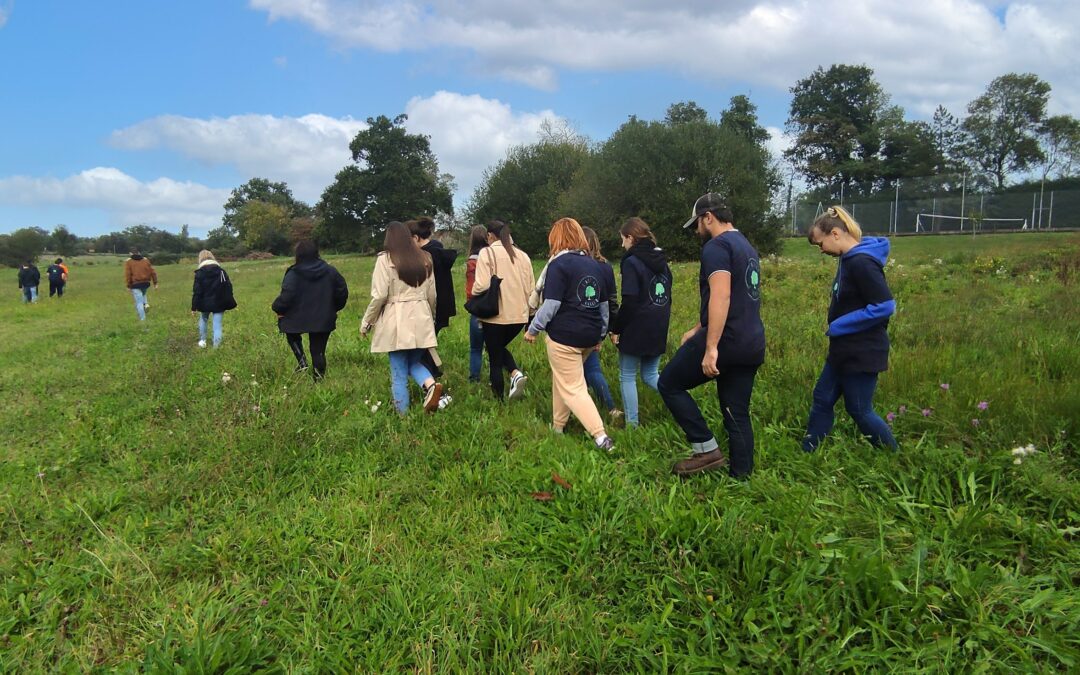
{"points": [[164, 258]]}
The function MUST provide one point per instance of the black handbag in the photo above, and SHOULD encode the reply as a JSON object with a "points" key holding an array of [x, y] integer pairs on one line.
{"points": [[486, 305]]}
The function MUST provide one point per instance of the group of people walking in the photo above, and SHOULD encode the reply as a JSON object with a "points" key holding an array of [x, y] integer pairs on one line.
{"points": [[30, 279], [574, 302]]}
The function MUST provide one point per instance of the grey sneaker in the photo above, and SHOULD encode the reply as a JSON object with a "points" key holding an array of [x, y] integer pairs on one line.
{"points": [[517, 386], [605, 444], [445, 400]]}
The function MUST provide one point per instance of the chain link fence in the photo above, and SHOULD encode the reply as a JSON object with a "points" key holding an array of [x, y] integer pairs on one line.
{"points": [[913, 207]]}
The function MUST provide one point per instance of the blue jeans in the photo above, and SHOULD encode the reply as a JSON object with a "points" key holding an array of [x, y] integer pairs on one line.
{"points": [[140, 302], [403, 364], [858, 392], [203, 316], [628, 370], [476, 349], [29, 293], [594, 377], [734, 385]]}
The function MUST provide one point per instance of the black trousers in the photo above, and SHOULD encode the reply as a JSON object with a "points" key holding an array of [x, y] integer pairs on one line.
{"points": [[56, 288], [734, 385], [317, 346], [496, 338]]}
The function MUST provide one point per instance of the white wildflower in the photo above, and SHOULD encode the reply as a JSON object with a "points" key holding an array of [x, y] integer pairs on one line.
{"points": [[226, 378], [1018, 461], [938, 261], [374, 408]]}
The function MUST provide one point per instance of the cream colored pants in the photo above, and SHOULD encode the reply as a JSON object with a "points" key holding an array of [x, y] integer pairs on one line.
{"points": [[569, 393]]}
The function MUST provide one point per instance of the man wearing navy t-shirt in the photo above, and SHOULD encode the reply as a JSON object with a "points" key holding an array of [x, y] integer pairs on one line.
{"points": [[727, 345]]}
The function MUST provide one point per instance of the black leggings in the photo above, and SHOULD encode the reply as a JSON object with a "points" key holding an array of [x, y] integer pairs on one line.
{"points": [[496, 337], [317, 344]]}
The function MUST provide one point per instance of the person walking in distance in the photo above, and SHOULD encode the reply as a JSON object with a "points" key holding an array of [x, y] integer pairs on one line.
{"points": [[312, 293], [29, 278], [211, 296], [399, 315], [138, 275], [727, 345], [58, 275]]}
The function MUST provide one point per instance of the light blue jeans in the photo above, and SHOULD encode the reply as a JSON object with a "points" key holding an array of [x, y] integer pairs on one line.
{"points": [[405, 363], [203, 316], [628, 369], [140, 302], [29, 293]]}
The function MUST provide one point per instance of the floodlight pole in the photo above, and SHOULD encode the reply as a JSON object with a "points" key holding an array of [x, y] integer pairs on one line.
{"points": [[963, 197], [896, 209]]}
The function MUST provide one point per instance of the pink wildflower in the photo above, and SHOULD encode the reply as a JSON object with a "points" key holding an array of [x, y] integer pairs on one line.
{"points": [[983, 405], [944, 386], [975, 422], [926, 412], [890, 417]]}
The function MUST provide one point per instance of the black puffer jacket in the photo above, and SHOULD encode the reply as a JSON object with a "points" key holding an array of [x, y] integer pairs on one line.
{"points": [[312, 293], [212, 291], [29, 277]]}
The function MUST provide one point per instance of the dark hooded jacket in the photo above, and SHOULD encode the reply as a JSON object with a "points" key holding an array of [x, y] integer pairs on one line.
{"points": [[860, 309], [312, 293], [212, 291], [29, 276], [442, 259], [643, 319]]}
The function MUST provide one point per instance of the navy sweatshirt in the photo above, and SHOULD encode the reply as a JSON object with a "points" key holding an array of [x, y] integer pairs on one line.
{"points": [[860, 309]]}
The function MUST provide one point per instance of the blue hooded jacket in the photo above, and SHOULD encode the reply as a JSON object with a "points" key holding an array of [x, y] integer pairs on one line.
{"points": [[860, 309]]}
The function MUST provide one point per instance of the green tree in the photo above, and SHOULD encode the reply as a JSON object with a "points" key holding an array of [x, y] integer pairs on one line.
{"points": [[395, 176], [1060, 139], [836, 121], [62, 241], [741, 118], [525, 188], [684, 112], [263, 226], [24, 244], [1002, 126], [262, 190], [655, 170]]}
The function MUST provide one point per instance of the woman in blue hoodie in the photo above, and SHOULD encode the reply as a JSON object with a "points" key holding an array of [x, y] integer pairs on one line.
{"points": [[858, 329]]}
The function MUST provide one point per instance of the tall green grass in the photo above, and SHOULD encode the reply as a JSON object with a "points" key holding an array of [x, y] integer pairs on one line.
{"points": [[155, 517]]}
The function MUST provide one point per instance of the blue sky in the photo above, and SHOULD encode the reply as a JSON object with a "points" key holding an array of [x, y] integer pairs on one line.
{"points": [[124, 112]]}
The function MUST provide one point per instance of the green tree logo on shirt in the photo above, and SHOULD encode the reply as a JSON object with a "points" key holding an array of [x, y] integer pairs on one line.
{"points": [[753, 279], [588, 292], [658, 289]]}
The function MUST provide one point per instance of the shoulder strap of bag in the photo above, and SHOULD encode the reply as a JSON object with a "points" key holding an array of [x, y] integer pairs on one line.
{"points": [[494, 260]]}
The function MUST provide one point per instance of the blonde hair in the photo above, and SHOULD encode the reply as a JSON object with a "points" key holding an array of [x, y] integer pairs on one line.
{"points": [[205, 255], [835, 218], [566, 235]]}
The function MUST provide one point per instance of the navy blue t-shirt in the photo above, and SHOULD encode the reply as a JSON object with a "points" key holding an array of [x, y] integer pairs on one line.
{"points": [[743, 339], [644, 332], [578, 282]]}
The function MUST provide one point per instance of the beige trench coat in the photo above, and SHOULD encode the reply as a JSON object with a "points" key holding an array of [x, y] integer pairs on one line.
{"points": [[399, 316]]}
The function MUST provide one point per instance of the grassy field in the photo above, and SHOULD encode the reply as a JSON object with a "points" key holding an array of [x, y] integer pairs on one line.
{"points": [[157, 517]]}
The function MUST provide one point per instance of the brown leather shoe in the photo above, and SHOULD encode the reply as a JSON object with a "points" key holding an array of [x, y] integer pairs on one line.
{"points": [[431, 397], [706, 461]]}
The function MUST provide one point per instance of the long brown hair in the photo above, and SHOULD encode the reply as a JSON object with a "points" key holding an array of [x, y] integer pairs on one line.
{"points": [[477, 239], [502, 231], [594, 243], [413, 264], [566, 235], [638, 230]]}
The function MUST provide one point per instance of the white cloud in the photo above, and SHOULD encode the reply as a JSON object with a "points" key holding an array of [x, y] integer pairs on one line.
{"points": [[281, 61], [470, 133], [163, 202], [5, 11], [924, 53], [306, 152]]}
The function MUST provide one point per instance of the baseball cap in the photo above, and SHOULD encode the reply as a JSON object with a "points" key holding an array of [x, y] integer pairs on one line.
{"points": [[710, 201]]}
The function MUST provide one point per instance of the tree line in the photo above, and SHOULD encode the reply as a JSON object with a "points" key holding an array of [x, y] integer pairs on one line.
{"points": [[848, 138]]}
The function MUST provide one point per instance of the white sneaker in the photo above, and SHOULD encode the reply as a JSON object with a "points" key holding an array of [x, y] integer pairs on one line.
{"points": [[202, 344], [445, 400], [517, 385]]}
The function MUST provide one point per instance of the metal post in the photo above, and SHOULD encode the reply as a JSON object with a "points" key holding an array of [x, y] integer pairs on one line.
{"points": [[1033, 196], [896, 216], [1050, 216], [933, 219], [963, 196], [1042, 189], [841, 195]]}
